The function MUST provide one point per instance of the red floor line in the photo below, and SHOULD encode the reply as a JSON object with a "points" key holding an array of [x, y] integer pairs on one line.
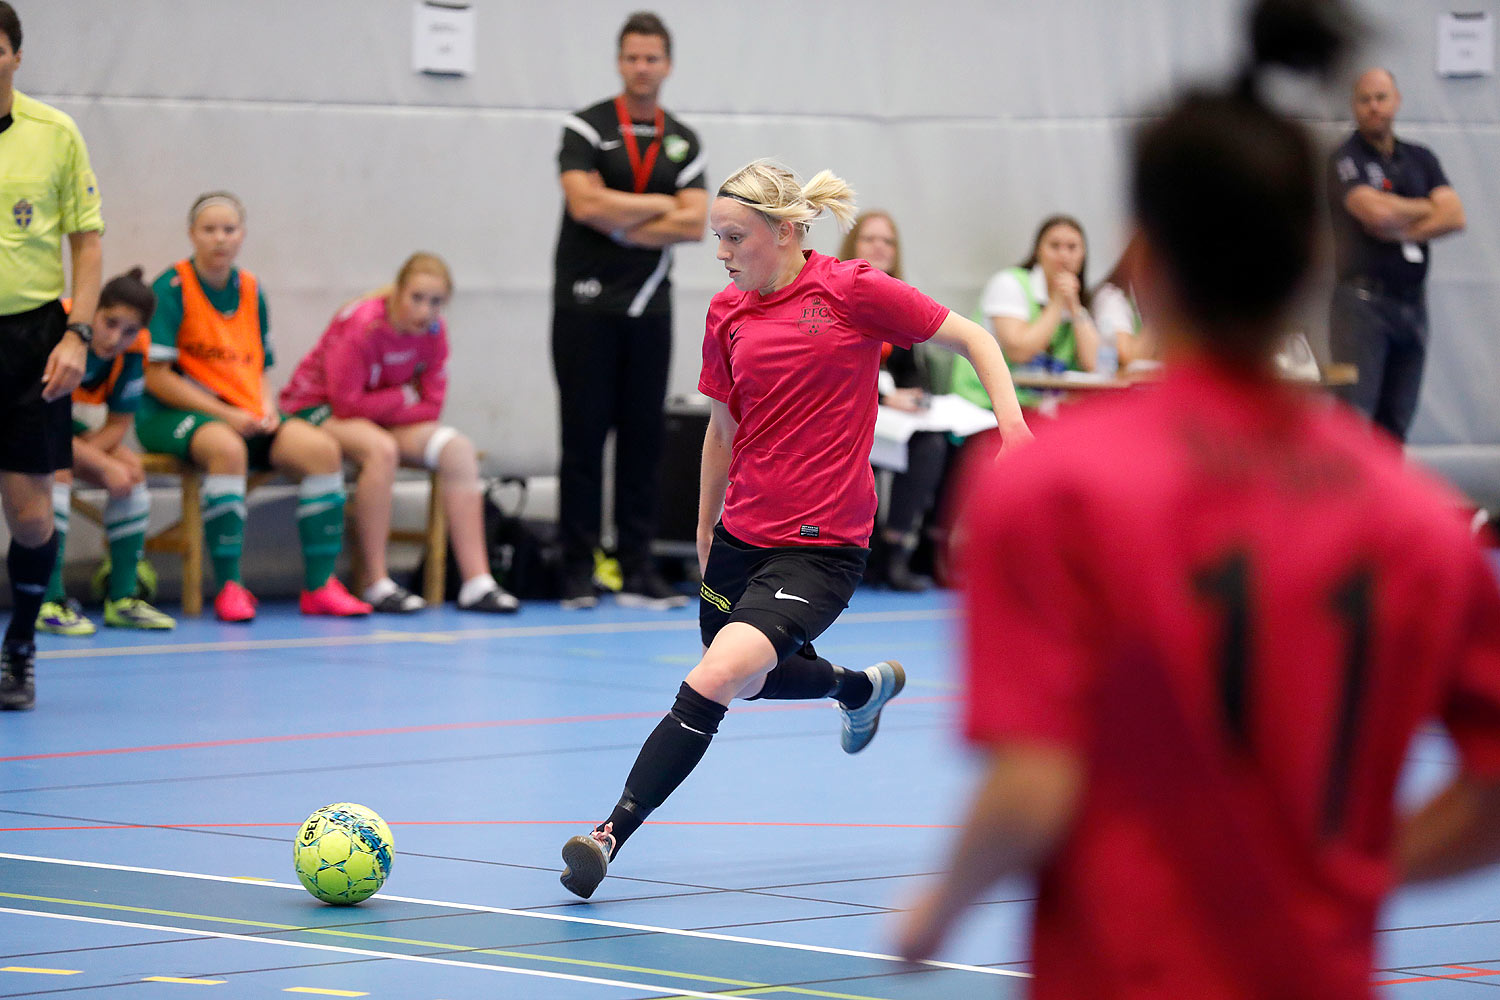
{"points": [[433, 728], [1473, 973], [486, 822]]}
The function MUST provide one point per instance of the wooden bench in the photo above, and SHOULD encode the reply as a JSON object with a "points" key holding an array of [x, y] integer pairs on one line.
{"points": [[185, 537]]}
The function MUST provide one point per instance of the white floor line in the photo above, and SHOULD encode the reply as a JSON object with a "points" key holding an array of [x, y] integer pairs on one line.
{"points": [[706, 935]]}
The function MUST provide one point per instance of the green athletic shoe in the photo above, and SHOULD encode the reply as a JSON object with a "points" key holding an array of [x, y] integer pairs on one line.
{"points": [[146, 584], [63, 617], [132, 612]]}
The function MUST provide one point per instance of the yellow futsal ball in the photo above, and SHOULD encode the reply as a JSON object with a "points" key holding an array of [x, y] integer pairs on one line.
{"points": [[343, 853]]}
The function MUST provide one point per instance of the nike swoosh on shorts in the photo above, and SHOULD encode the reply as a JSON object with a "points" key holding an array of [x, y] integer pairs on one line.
{"points": [[782, 595]]}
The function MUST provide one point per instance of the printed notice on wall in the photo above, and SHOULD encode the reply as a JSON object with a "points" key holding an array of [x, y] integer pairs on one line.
{"points": [[442, 40], [1466, 44]]}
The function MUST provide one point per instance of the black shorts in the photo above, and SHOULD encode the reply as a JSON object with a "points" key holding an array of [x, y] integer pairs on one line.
{"points": [[36, 437], [790, 593]]}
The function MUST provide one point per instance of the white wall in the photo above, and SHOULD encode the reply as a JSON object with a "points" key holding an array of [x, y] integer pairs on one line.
{"points": [[970, 120]]}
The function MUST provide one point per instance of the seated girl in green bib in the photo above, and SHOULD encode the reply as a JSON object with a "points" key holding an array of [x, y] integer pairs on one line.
{"points": [[1038, 311]]}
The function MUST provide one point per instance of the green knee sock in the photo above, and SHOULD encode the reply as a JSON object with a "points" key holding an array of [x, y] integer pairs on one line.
{"points": [[224, 524], [320, 526], [125, 525], [62, 504]]}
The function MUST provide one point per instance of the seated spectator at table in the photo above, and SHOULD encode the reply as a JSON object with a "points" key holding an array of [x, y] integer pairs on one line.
{"points": [[906, 385], [1118, 318], [376, 381], [207, 401], [113, 377], [1038, 312]]}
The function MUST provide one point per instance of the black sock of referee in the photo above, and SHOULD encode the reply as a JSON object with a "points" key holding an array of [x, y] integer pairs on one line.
{"points": [[669, 755], [29, 570], [799, 678]]}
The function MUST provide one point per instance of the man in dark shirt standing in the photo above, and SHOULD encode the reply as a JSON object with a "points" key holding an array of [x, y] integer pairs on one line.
{"points": [[633, 179], [1388, 199]]}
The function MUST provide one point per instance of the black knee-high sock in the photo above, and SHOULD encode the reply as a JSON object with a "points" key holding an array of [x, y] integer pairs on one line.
{"points": [[669, 755], [29, 570], [800, 678]]}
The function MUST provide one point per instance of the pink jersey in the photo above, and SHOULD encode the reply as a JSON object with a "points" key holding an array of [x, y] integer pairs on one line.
{"points": [[363, 367], [798, 370], [1236, 604]]}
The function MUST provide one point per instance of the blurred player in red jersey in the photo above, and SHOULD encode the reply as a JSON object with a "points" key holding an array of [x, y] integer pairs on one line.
{"points": [[1205, 620]]}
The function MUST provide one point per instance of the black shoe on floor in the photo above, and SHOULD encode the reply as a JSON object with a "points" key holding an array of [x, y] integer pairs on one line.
{"points": [[17, 678], [647, 590], [578, 591], [899, 575], [496, 600], [399, 601]]}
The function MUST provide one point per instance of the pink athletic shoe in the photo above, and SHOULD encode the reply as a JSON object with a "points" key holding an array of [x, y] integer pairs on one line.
{"points": [[332, 599], [234, 603]]}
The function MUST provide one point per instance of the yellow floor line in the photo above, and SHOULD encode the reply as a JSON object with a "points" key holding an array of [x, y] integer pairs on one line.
{"points": [[745, 985], [41, 972], [324, 993], [184, 982]]}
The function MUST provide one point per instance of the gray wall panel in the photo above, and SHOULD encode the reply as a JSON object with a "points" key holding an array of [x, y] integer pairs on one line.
{"points": [[970, 120]]}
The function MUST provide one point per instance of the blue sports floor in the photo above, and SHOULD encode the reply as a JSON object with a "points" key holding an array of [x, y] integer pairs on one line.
{"points": [[148, 806]]}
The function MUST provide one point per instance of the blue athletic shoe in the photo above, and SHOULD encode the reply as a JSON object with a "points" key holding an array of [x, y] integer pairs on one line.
{"points": [[887, 678]]}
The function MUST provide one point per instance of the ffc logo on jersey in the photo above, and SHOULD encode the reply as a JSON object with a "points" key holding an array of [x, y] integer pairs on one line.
{"points": [[815, 317], [22, 213], [676, 148]]}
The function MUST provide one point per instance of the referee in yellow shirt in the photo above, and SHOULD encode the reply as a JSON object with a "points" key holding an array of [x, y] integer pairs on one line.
{"points": [[47, 190]]}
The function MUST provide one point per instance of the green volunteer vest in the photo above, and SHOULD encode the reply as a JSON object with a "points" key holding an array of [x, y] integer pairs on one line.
{"points": [[1063, 348]]}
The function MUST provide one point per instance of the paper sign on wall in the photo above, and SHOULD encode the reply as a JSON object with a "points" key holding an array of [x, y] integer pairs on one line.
{"points": [[443, 38], [1466, 44]]}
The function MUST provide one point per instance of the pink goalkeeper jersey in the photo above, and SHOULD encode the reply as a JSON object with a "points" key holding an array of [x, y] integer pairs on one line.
{"points": [[798, 370], [361, 364]]}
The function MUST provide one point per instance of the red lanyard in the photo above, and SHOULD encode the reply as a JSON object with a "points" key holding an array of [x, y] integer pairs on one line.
{"points": [[640, 166]]}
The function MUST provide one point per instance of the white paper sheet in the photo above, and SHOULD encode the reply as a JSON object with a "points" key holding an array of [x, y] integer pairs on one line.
{"points": [[893, 428], [442, 39], [1466, 44]]}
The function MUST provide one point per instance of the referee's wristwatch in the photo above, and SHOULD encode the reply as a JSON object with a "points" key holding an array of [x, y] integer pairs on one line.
{"points": [[84, 331]]}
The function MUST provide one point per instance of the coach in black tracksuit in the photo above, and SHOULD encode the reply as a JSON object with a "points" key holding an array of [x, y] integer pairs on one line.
{"points": [[1388, 200], [633, 180]]}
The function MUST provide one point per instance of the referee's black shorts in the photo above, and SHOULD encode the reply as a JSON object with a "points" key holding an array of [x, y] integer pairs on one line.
{"points": [[36, 437], [789, 593]]}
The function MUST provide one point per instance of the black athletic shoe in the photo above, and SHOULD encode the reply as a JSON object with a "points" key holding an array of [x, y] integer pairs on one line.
{"points": [[647, 590], [586, 859], [496, 601], [899, 575], [17, 678], [578, 591], [399, 601]]}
